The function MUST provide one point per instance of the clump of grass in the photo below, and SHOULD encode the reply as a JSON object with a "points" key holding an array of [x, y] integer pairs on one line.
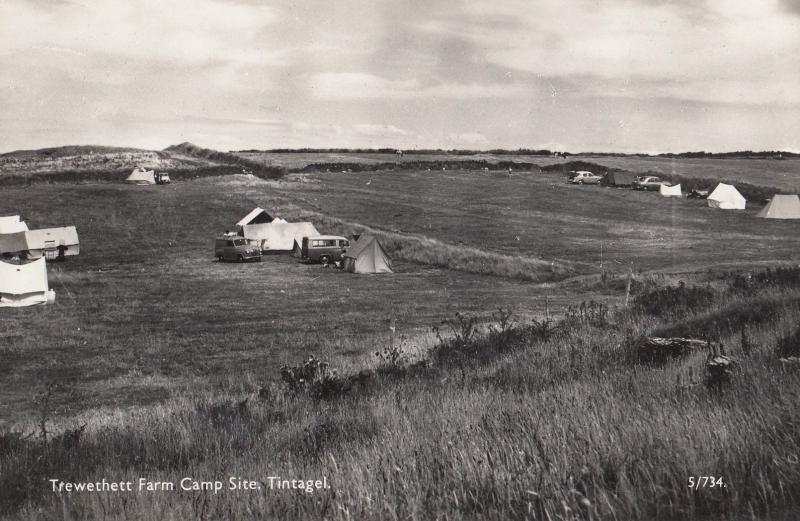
{"points": [[674, 302]]}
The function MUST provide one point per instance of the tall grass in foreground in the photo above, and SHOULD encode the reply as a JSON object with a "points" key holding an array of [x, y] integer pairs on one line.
{"points": [[545, 420]]}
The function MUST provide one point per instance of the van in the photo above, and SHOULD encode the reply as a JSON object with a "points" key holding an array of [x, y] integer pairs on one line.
{"points": [[235, 248], [323, 248]]}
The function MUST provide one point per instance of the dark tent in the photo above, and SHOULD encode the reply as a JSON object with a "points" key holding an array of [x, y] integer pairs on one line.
{"points": [[615, 178]]}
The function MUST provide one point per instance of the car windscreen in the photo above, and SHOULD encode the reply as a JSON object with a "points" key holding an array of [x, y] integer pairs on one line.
{"points": [[240, 242]]}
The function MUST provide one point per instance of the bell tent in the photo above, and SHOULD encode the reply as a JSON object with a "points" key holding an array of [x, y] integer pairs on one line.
{"points": [[782, 207], [24, 284], [141, 176], [366, 255], [670, 191], [726, 197], [12, 224]]}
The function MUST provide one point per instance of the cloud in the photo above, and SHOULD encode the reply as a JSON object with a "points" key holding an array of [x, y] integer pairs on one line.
{"points": [[354, 86], [383, 131], [194, 31], [467, 139]]}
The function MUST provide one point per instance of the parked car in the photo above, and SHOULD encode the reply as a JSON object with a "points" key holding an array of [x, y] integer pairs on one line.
{"points": [[323, 248], [236, 248], [162, 178], [648, 182], [584, 177]]}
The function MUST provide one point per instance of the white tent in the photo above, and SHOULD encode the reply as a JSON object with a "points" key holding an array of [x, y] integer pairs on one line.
{"points": [[256, 216], [12, 224], [278, 236], [367, 255], [726, 197], [142, 177], [670, 191], [24, 284], [51, 242], [782, 207]]}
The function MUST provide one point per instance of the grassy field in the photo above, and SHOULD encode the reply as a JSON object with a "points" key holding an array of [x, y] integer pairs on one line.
{"points": [[155, 347], [783, 175]]}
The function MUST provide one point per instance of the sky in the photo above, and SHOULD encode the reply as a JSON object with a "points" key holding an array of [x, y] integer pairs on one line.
{"points": [[645, 76]]}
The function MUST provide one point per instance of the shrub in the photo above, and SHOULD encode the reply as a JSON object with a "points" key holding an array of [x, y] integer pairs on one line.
{"points": [[314, 378]]}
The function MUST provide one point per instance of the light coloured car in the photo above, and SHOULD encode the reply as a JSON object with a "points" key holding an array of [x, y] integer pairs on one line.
{"points": [[584, 177], [648, 182]]}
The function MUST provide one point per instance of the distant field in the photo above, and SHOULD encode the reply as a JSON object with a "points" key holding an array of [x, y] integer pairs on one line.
{"points": [[541, 216], [784, 174]]}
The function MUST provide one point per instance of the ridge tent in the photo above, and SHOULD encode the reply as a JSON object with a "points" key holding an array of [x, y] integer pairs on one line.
{"points": [[53, 242], [142, 177], [781, 207], [13, 243], [12, 224], [256, 216], [670, 191], [24, 284], [366, 255], [619, 178], [278, 236], [726, 197]]}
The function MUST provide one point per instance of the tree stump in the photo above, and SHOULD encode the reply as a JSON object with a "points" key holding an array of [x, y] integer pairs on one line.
{"points": [[719, 369]]}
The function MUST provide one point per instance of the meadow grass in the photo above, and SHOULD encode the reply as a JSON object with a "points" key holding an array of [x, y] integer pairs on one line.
{"points": [[557, 427]]}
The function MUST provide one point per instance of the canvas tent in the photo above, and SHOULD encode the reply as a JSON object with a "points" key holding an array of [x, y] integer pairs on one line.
{"points": [[726, 197], [12, 224], [366, 255], [670, 191], [256, 216], [782, 207], [278, 236], [12, 244], [142, 177], [24, 284], [51, 242], [297, 249], [619, 178]]}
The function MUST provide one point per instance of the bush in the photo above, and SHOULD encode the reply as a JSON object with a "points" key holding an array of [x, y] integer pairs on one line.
{"points": [[314, 378]]}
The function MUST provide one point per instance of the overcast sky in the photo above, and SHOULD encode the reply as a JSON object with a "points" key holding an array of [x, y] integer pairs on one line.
{"points": [[580, 75]]}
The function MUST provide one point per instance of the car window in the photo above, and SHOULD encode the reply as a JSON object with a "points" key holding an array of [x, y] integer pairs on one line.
{"points": [[240, 242], [229, 243]]}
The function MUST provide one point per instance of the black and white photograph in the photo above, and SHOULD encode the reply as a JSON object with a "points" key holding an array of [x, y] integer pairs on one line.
{"points": [[399, 260]]}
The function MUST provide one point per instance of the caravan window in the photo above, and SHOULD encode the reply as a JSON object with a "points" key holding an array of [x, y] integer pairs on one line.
{"points": [[344, 244]]}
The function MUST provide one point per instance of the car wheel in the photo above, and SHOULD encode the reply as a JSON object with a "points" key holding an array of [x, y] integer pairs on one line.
{"points": [[580, 182], [325, 260], [220, 258], [240, 258]]}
